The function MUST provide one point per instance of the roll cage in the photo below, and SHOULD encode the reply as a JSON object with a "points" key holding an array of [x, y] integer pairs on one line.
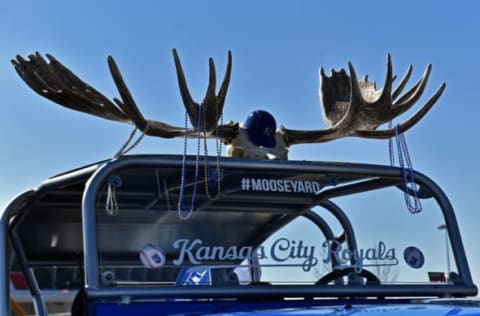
{"points": [[67, 206]]}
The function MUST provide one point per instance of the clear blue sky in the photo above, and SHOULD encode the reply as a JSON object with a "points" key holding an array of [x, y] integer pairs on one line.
{"points": [[277, 46]]}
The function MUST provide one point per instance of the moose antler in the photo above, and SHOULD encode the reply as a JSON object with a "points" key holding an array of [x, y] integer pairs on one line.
{"points": [[56, 82], [356, 108]]}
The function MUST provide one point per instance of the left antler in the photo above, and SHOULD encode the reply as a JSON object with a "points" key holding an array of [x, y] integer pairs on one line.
{"points": [[56, 82], [356, 108]]}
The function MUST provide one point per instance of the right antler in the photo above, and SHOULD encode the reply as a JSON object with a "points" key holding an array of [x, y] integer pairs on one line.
{"points": [[56, 82], [354, 107]]}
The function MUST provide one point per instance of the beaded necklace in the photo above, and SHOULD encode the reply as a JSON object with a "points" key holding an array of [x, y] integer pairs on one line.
{"points": [[206, 169], [184, 167], [409, 185]]}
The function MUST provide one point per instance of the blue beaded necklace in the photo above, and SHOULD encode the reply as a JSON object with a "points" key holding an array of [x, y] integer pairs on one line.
{"points": [[409, 185], [181, 209]]}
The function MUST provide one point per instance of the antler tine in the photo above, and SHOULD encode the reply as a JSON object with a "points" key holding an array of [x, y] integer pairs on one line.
{"points": [[209, 103], [402, 83], [190, 105], [213, 104], [356, 97], [128, 105], [406, 125], [386, 96], [222, 93]]}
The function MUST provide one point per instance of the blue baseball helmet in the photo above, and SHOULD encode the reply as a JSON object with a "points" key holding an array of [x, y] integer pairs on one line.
{"points": [[261, 127]]}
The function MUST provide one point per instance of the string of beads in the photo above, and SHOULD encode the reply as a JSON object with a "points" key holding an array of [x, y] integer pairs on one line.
{"points": [[407, 172]]}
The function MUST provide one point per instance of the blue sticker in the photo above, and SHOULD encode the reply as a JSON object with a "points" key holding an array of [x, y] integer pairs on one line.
{"points": [[414, 257]]}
